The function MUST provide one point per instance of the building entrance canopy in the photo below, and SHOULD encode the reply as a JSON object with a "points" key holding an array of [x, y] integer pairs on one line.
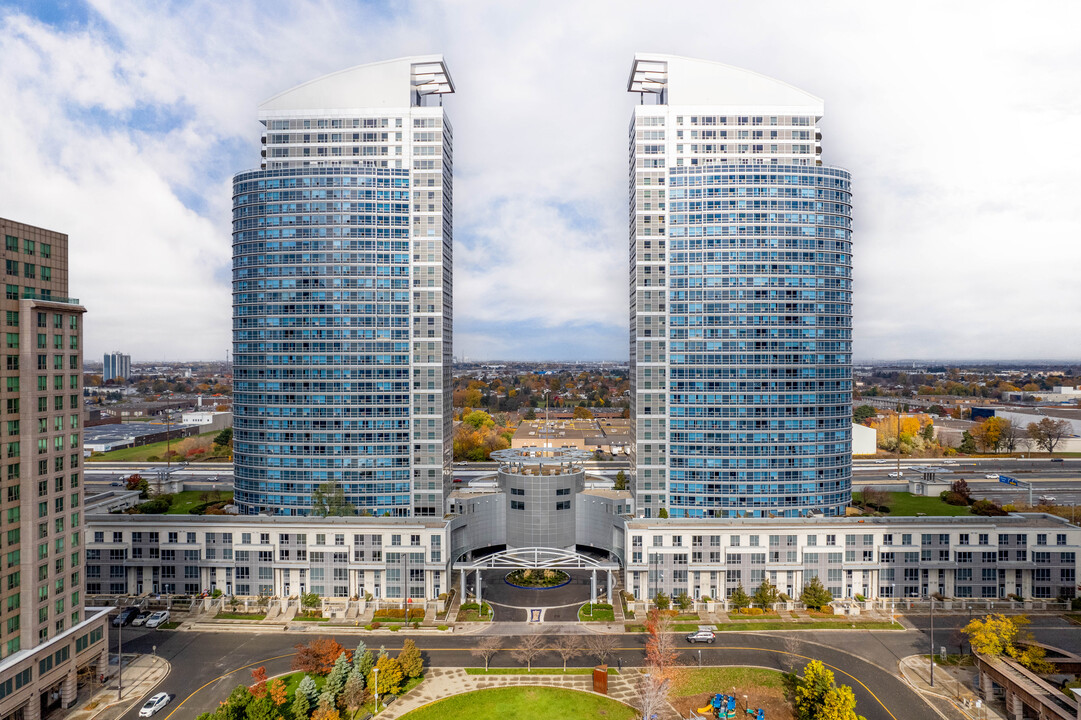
{"points": [[538, 558]]}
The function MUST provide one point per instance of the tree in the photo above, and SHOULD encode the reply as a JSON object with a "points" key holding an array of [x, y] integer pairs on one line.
{"points": [[318, 656], [875, 498], [928, 432], [389, 678], [662, 655], [988, 434], [766, 594], [309, 601], [530, 415], [325, 712], [328, 500], [363, 660], [138, 482], [258, 676], [815, 595], [1013, 437], [663, 514], [997, 635], [652, 694], [739, 598], [621, 480], [224, 438], [487, 649], [661, 600], [336, 679], [682, 600], [601, 646], [355, 693], [261, 708], [961, 488], [811, 690], [863, 412], [968, 445], [839, 704], [582, 413], [276, 692], [567, 647], [410, 660], [302, 698], [529, 647], [1048, 433], [478, 419]]}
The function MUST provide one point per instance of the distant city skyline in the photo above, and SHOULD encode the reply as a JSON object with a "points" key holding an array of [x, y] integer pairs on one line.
{"points": [[127, 139]]}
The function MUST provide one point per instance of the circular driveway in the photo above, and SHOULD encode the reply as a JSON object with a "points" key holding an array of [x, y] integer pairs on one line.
{"points": [[560, 604]]}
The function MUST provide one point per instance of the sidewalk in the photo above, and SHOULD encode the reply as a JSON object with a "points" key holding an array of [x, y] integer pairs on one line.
{"points": [[440, 683], [952, 696], [142, 673]]}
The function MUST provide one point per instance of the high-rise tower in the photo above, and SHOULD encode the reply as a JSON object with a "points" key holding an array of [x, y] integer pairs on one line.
{"points": [[740, 297], [47, 636], [342, 295]]}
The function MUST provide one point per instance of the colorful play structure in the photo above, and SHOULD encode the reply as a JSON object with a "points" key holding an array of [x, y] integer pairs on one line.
{"points": [[723, 707]]}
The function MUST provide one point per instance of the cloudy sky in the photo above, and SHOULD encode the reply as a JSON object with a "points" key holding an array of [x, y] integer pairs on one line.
{"points": [[122, 122]]}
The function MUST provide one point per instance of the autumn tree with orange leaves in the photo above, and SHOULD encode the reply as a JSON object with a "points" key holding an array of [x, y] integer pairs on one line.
{"points": [[318, 656]]}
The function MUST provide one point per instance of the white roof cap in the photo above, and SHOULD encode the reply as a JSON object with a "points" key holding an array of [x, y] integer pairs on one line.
{"points": [[389, 83], [698, 83]]}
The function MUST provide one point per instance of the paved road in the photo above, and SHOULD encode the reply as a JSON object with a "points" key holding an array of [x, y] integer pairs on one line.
{"points": [[206, 666]]}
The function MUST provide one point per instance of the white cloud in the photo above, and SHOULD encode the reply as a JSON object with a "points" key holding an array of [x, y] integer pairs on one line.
{"points": [[956, 121]]}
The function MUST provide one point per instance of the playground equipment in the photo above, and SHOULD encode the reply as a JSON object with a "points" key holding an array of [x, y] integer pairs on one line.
{"points": [[723, 707]]}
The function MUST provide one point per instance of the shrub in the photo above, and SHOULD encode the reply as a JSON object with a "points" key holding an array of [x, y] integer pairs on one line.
{"points": [[954, 498], [443, 627], [860, 598], [661, 600], [987, 508], [375, 625]]}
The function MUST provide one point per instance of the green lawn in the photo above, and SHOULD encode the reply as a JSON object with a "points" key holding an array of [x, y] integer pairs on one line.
{"points": [[597, 613], [692, 681], [903, 504], [535, 671], [468, 612], [822, 625], [141, 453], [185, 501], [240, 616], [524, 703]]}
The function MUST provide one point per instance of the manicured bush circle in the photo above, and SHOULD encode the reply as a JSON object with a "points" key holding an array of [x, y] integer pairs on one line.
{"points": [[537, 579]]}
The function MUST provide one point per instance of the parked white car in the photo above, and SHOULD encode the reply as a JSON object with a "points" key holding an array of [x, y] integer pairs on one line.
{"points": [[140, 619], [154, 704], [157, 618]]}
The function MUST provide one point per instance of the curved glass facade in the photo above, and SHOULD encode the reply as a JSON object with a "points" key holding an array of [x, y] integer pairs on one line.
{"points": [[321, 328], [760, 340]]}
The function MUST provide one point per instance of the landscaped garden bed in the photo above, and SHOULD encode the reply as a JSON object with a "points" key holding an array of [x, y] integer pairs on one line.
{"points": [[537, 578], [524, 703]]}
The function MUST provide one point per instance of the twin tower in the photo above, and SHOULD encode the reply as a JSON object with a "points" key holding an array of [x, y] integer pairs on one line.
{"points": [[739, 289]]}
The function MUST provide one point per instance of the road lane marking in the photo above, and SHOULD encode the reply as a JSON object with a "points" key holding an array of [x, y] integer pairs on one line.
{"points": [[222, 677]]}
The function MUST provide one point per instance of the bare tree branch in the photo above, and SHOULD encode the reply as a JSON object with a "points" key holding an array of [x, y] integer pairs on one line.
{"points": [[487, 648], [529, 647], [567, 647], [601, 646]]}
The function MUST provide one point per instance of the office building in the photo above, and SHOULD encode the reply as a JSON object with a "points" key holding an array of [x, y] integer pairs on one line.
{"points": [[740, 297], [342, 251], [115, 365], [46, 635]]}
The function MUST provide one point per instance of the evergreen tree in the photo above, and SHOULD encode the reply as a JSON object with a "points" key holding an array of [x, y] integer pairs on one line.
{"points": [[739, 599], [815, 595], [359, 652], [336, 678], [364, 663], [765, 595], [811, 690]]}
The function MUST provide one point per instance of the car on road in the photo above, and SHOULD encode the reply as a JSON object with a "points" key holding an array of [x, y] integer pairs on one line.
{"points": [[879, 462], [140, 619], [991, 476], [1047, 499], [157, 618], [706, 636], [154, 704], [897, 474], [1056, 460], [125, 616]]}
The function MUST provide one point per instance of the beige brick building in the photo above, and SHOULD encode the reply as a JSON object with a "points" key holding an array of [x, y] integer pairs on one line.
{"points": [[46, 635]]}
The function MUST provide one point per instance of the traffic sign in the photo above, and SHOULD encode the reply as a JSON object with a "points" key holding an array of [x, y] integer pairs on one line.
{"points": [[1007, 480]]}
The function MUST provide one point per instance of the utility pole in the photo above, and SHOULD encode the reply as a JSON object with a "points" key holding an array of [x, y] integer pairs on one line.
{"points": [[120, 659], [932, 641]]}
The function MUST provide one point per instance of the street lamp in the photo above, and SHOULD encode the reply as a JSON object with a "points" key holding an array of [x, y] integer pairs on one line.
{"points": [[893, 603], [932, 641], [375, 671], [120, 658]]}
